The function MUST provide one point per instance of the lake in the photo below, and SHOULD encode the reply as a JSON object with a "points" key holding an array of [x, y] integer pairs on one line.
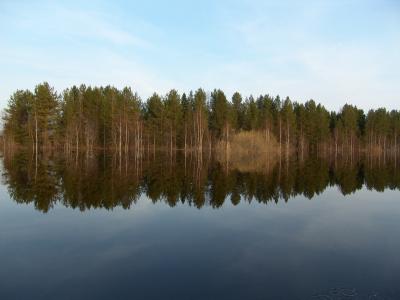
{"points": [[110, 227]]}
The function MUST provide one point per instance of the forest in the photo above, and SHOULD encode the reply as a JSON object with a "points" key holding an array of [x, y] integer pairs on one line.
{"points": [[85, 118]]}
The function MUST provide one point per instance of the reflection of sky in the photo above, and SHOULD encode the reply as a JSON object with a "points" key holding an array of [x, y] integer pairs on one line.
{"points": [[333, 51], [253, 250]]}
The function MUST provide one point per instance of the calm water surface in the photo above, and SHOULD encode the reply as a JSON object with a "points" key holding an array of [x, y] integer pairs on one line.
{"points": [[105, 228]]}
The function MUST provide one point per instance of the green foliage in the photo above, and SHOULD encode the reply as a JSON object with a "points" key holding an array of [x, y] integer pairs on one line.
{"points": [[88, 117], [251, 114], [220, 112], [237, 112], [18, 117]]}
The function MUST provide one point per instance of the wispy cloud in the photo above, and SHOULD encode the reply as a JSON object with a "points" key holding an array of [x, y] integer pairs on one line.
{"points": [[57, 21], [330, 51], [68, 46], [299, 56], [92, 25]]}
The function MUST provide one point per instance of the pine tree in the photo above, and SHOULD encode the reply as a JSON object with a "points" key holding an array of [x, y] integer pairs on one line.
{"points": [[200, 121], [289, 119], [173, 114], [154, 110], [45, 111], [237, 112]]}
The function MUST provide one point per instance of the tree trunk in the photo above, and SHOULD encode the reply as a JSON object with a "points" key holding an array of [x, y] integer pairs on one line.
{"points": [[288, 140], [280, 136], [36, 136], [185, 136]]}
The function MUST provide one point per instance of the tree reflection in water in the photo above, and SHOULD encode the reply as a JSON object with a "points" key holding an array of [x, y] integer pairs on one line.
{"points": [[107, 181]]}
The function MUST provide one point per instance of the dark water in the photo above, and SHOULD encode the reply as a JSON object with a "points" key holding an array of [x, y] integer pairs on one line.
{"points": [[168, 228]]}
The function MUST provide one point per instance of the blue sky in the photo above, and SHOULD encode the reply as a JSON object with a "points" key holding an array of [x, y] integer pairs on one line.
{"points": [[331, 51]]}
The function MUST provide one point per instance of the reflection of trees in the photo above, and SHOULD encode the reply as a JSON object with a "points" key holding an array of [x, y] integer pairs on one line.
{"points": [[349, 176], [108, 182], [183, 179], [99, 182], [381, 174], [28, 182]]}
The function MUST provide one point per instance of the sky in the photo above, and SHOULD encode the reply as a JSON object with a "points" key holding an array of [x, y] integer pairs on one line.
{"points": [[335, 52]]}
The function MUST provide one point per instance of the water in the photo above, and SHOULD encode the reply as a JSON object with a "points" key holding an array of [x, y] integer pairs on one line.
{"points": [[105, 228]]}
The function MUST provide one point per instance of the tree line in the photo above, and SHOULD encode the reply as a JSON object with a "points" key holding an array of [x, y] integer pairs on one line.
{"points": [[85, 118]]}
